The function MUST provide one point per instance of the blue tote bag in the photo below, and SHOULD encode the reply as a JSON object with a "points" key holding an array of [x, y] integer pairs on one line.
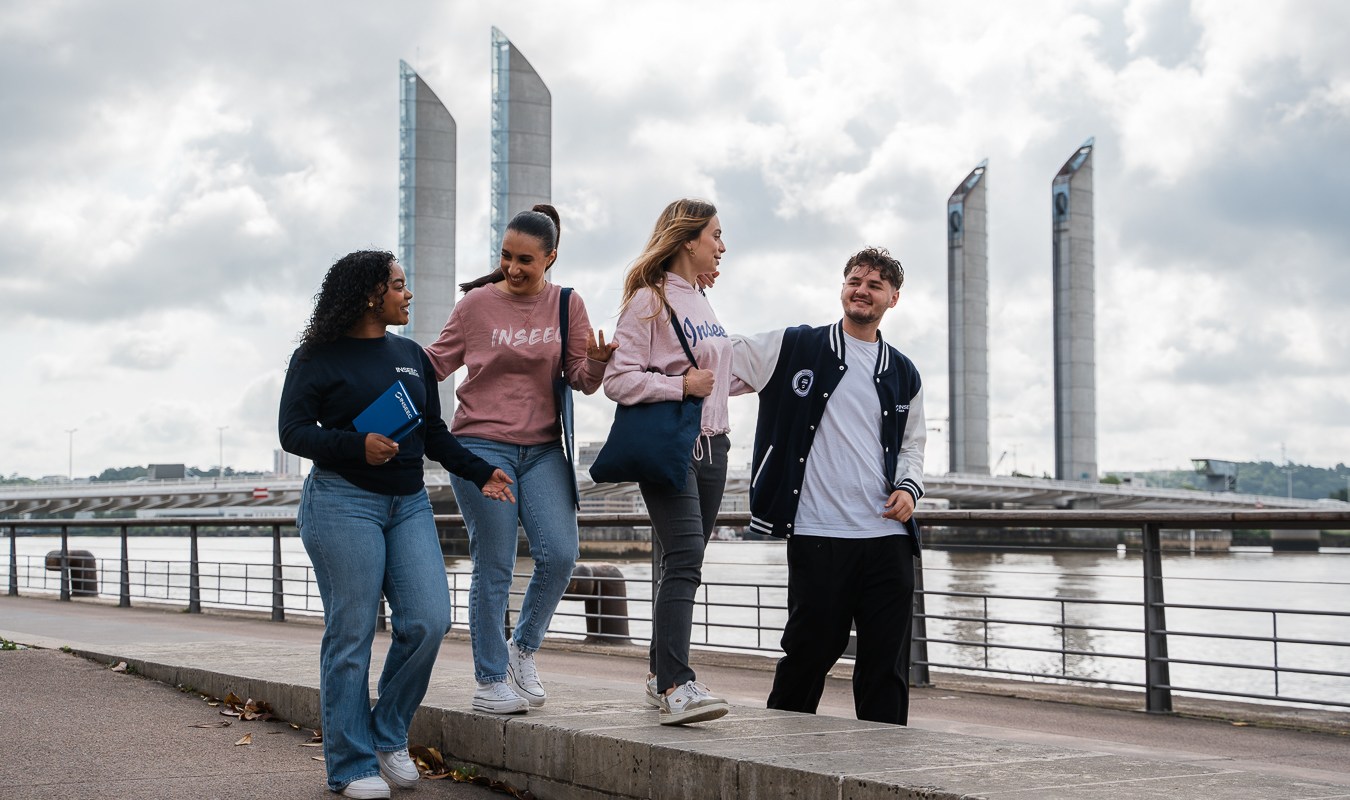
{"points": [[652, 442]]}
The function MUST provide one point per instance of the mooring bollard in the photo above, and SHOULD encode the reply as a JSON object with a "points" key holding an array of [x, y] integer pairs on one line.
{"points": [[83, 571], [602, 588]]}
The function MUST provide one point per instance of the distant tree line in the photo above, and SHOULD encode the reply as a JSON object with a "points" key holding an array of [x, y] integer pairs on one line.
{"points": [[132, 473], [1256, 477]]}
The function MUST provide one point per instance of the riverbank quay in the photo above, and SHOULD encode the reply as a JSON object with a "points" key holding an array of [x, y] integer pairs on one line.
{"points": [[596, 737]]}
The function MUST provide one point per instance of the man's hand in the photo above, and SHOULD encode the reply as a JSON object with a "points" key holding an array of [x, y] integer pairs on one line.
{"points": [[900, 506], [498, 487]]}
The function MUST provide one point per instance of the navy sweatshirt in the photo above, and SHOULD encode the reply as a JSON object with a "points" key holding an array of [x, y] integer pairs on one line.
{"points": [[328, 386]]}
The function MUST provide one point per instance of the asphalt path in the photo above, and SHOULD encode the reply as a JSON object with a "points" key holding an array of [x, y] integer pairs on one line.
{"points": [[74, 729]]}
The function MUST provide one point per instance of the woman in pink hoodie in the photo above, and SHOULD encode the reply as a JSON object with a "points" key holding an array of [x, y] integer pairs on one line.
{"points": [[506, 331], [652, 366]]}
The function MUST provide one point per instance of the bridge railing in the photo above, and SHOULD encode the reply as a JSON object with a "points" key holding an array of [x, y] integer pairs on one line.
{"points": [[976, 632]]}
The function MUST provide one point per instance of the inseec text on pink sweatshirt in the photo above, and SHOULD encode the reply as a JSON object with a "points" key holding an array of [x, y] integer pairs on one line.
{"points": [[650, 363]]}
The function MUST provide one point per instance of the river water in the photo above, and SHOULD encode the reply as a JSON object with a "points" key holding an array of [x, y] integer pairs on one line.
{"points": [[1029, 602]]}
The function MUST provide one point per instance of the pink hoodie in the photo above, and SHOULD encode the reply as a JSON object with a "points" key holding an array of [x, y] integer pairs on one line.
{"points": [[650, 363]]}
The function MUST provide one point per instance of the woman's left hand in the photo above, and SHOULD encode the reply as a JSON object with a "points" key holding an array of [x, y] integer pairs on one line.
{"points": [[599, 352], [498, 487]]}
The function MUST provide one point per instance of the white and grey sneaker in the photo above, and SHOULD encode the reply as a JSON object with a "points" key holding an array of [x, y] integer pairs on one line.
{"points": [[371, 788], [499, 698], [523, 674], [398, 768], [691, 702], [654, 698]]}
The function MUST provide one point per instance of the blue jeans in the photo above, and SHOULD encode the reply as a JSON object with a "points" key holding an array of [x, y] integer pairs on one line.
{"points": [[363, 544], [544, 507]]}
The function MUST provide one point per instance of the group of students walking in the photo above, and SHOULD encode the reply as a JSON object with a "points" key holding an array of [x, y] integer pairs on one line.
{"points": [[838, 477]]}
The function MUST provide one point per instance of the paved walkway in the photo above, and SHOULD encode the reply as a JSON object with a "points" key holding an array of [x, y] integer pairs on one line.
{"points": [[596, 738]]}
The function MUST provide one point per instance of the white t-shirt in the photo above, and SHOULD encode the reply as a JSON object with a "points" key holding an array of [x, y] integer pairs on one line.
{"points": [[844, 492]]}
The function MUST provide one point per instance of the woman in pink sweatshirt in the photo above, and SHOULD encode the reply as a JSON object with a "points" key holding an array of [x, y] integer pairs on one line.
{"points": [[506, 331], [652, 366]]}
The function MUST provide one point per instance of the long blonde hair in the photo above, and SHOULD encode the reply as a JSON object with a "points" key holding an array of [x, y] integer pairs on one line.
{"points": [[682, 221]]}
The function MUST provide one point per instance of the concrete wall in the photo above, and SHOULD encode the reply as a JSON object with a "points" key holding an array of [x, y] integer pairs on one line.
{"points": [[522, 139], [1074, 319], [426, 222], [968, 324]]}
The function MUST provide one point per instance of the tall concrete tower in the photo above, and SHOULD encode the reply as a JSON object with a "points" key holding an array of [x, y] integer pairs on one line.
{"points": [[426, 209], [968, 324], [522, 139], [1075, 356]]}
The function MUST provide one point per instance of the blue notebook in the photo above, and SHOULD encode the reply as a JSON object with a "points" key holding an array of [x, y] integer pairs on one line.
{"points": [[392, 414]]}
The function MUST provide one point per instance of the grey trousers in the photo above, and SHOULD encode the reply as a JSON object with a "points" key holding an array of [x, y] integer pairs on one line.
{"points": [[682, 523]]}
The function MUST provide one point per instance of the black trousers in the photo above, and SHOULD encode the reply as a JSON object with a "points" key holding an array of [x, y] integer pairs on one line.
{"points": [[835, 585]]}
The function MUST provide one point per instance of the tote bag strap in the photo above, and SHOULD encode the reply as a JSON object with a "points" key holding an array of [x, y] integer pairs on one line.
{"points": [[670, 312]]}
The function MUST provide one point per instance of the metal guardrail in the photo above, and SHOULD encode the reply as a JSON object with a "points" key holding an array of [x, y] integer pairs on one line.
{"points": [[1155, 660]]}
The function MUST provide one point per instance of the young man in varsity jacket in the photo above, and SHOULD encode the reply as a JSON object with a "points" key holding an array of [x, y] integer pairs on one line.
{"points": [[838, 467]]}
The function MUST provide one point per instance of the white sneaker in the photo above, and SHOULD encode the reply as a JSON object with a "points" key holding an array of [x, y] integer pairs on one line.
{"points": [[398, 768], [371, 787], [691, 702], [523, 674], [498, 698], [654, 698]]}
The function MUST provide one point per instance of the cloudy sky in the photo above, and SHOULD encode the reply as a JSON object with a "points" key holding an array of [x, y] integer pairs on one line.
{"points": [[177, 178]]}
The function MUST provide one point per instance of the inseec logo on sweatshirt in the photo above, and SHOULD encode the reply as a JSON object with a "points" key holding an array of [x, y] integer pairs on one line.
{"points": [[520, 337], [408, 371]]}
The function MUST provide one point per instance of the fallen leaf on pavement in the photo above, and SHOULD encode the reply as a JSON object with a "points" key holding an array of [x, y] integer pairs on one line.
{"points": [[121, 667], [245, 739], [224, 723]]}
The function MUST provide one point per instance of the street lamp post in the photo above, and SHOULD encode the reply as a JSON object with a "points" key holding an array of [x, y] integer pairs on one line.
{"points": [[220, 467], [70, 465]]}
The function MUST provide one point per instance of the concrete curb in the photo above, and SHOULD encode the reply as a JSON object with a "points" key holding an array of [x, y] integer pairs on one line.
{"points": [[588, 744]]}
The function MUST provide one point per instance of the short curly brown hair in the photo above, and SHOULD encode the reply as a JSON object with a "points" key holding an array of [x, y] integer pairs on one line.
{"points": [[881, 260]]}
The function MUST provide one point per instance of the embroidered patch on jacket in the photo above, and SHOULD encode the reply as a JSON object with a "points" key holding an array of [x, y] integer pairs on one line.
{"points": [[801, 382]]}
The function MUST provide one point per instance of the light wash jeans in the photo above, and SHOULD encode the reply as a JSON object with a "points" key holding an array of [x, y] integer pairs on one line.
{"points": [[544, 507], [363, 544]]}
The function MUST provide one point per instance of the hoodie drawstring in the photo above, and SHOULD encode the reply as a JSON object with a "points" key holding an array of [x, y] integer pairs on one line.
{"points": [[698, 445]]}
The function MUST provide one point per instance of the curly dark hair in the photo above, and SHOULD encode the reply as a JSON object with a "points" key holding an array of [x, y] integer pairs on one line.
{"points": [[343, 297], [879, 259]]}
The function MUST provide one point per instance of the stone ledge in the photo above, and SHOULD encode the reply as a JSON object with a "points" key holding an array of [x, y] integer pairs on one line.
{"points": [[595, 745]]}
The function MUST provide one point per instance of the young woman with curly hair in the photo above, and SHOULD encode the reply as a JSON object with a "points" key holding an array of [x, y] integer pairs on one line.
{"points": [[505, 330], [652, 366], [365, 519]]}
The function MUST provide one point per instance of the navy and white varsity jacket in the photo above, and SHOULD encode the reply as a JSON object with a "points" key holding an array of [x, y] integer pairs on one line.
{"points": [[794, 371]]}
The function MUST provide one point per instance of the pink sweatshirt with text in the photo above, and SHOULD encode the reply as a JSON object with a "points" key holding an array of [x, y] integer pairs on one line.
{"points": [[512, 348], [650, 363]]}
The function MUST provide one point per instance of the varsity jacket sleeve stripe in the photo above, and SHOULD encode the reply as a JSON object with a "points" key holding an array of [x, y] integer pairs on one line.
{"points": [[909, 463], [754, 358]]}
